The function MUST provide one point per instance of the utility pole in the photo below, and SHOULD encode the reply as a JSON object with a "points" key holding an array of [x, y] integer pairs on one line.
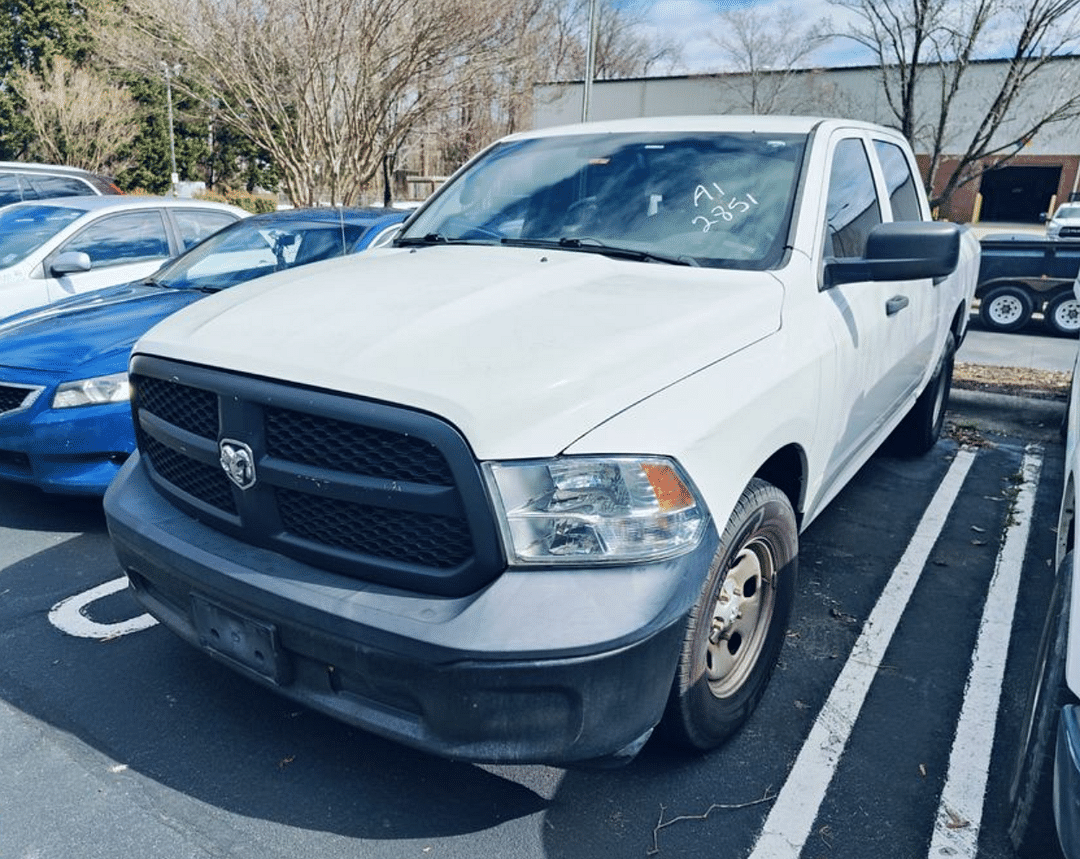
{"points": [[169, 71]]}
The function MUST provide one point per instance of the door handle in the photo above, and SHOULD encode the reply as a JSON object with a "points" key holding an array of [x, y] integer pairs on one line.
{"points": [[895, 304]]}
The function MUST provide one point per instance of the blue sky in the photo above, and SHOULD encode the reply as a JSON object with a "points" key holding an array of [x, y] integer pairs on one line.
{"points": [[689, 23]]}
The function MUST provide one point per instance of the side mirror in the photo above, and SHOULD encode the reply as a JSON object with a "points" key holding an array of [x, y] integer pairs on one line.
{"points": [[904, 250], [1043, 216], [69, 262]]}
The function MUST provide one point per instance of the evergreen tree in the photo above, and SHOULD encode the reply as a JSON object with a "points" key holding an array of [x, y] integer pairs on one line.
{"points": [[32, 32]]}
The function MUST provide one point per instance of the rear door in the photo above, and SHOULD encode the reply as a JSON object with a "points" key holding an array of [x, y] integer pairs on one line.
{"points": [[875, 327]]}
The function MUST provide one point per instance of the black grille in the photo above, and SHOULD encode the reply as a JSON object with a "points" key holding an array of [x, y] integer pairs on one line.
{"points": [[328, 443], [371, 490], [189, 408], [418, 538], [12, 398], [198, 480]]}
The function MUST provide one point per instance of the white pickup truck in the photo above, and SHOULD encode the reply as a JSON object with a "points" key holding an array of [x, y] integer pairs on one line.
{"points": [[530, 483]]}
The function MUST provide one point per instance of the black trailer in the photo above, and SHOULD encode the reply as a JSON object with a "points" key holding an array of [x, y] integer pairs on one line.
{"points": [[1021, 274]]}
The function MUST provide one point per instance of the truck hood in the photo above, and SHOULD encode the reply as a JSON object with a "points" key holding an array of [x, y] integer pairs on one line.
{"points": [[524, 351], [89, 334]]}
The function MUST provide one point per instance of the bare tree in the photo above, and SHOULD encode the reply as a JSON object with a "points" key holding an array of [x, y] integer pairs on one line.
{"points": [[768, 47], [326, 87], [623, 47], [78, 116], [928, 51], [541, 40]]}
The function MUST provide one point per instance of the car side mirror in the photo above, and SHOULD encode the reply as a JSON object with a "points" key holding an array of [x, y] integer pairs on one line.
{"points": [[1043, 216], [903, 250], [70, 262]]}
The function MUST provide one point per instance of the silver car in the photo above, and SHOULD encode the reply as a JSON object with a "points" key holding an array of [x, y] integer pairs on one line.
{"points": [[1065, 224], [1045, 789], [52, 249], [21, 180]]}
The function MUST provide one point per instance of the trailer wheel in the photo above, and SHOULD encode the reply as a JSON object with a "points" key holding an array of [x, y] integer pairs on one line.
{"points": [[1063, 314], [1006, 308]]}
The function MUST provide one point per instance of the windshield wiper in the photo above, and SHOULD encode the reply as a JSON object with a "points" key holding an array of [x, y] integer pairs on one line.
{"points": [[591, 245], [414, 241], [436, 239]]}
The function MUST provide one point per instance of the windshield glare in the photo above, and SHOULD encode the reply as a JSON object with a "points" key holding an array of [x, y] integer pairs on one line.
{"points": [[24, 229], [720, 199], [249, 249], [1068, 212]]}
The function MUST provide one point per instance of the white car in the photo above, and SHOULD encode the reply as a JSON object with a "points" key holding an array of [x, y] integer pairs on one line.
{"points": [[51, 249], [1045, 789], [1065, 224]]}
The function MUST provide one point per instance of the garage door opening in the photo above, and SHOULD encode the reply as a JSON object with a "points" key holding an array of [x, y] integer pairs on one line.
{"points": [[1018, 194]]}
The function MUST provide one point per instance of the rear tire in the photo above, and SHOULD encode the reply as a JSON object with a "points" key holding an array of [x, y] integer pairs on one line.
{"points": [[737, 626], [1063, 314], [1006, 308], [1032, 830], [921, 427]]}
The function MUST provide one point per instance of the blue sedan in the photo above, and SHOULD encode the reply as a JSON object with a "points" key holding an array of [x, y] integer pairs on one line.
{"points": [[65, 418]]}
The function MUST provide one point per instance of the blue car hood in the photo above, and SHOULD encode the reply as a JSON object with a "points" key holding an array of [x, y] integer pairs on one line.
{"points": [[90, 334]]}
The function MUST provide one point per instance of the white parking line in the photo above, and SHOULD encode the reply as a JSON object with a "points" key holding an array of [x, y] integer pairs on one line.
{"points": [[69, 616], [956, 829], [792, 816], [16, 545]]}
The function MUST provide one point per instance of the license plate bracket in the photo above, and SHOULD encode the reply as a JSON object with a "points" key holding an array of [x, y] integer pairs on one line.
{"points": [[248, 643]]}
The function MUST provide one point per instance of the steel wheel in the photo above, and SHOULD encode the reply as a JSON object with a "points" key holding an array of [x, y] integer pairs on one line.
{"points": [[1005, 308], [1063, 314], [741, 618]]}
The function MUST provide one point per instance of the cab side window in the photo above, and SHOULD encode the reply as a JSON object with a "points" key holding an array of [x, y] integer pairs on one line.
{"points": [[899, 181], [118, 239], [852, 209]]}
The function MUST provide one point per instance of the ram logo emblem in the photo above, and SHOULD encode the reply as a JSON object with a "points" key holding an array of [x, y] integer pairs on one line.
{"points": [[238, 462]]}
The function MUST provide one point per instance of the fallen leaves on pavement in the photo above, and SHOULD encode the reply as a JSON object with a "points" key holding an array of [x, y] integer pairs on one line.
{"points": [[1018, 381]]}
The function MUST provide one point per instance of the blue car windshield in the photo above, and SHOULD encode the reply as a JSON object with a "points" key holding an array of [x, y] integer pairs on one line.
{"points": [[252, 248], [24, 229], [700, 198]]}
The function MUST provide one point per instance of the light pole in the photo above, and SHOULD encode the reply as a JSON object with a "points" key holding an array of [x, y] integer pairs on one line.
{"points": [[169, 71]]}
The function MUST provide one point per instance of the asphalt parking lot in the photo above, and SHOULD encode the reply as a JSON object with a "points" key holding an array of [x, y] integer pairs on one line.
{"points": [[886, 732]]}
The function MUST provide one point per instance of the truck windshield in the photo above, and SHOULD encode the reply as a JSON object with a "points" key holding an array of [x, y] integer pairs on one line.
{"points": [[24, 229], [711, 199]]}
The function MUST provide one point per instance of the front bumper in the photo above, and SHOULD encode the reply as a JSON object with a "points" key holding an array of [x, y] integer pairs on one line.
{"points": [[538, 666], [76, 451]]}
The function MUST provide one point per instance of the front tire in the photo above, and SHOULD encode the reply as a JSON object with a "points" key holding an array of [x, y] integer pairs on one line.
{"points": [[737, 626], [1006, 308], [1032, 830]]}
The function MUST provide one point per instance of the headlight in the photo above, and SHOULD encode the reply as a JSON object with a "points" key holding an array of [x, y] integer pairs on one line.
{"points": [[584, 510], [90, 392]]}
